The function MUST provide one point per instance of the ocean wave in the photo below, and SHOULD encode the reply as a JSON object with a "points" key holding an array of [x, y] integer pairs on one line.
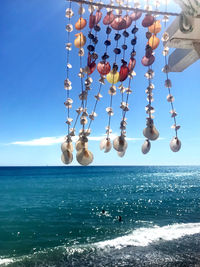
{"points": [[141, 238], [4, 262], [146, 236]]}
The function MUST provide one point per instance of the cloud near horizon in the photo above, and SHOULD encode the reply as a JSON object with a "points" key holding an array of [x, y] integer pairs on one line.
{"points": [[49, 141]]}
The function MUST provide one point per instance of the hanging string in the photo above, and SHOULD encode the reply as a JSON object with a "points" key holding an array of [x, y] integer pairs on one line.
{"points": [[102, 77], [175, 144]]}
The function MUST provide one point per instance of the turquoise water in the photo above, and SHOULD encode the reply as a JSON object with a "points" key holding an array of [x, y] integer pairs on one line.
{"points": [[52, 216]]}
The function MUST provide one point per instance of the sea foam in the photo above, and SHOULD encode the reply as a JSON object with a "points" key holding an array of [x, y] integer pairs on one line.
{"points": [[145, 236]]}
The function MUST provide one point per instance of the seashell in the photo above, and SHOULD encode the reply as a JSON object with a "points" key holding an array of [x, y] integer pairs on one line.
{"points": [[117, 51], [146, 146], [67, 146], [80, 40], [91, 68], [148, 61], [120, 144], [136, 15], [156, 27], [118, 24], [175, 144], [108, 19], [112, 77], [154, 42], [151, 133], [80, 24], [117, 36], [81, 10], [121, 153], [148, 35], [67, 157], [123, 73], [165, 37], [69, 13], [131, 64], [108, 30], [103, 67], [80, 145], [149, 51], [91, 21], [148, 20], [84, 157], [97, 28], [170, 98], [81, 52], [69, 28], [98, 16], [107, 43], [128, 21], [105, 145]]}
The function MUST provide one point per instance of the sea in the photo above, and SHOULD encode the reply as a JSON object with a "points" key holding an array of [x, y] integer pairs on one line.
{"points": [[70, 216]]}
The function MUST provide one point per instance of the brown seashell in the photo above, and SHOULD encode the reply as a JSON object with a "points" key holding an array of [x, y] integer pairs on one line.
{"points": [[156, 27], [103, 67], [118, 24], [123, 73], [148, 20], [148, 61], [92, 21], [108, 19], [136, 15], [154, 42], [98, 16], [80, 24], [149, 51], [131, 64], [128, 21], [80, 40]]}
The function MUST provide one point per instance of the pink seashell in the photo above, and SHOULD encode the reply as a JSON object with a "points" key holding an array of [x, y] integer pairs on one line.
{"points": [[98, 16], [148, 21], [128, 21], [131, 64], [92, 21], [108, 19], [148, 61], [136, 15], [118, 24]]}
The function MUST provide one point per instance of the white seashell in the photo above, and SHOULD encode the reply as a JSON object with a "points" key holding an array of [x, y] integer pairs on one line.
{"points": [[69, 27], [84, 157], [105, 145], [81, 10], [67, 157], [80, 145], [69, 13], [146, 147], [175, 144], [81, 52], [67, 146], [120, 144], [151, 133], [121, 154]]}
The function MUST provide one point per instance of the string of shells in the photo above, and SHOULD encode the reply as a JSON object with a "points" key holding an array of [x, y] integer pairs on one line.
{"points": [[175, 144], [67, 146], [110, 73]]}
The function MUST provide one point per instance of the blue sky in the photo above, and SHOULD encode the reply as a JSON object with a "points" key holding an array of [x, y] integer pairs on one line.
{"points": [[33, 68]]}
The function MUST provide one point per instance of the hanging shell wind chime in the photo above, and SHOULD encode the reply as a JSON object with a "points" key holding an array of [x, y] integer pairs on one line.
{"points": [[115, 69]]}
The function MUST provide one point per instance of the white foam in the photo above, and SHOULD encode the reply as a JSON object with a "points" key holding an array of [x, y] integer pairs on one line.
{"points": [[145, 236], [5, 262]]}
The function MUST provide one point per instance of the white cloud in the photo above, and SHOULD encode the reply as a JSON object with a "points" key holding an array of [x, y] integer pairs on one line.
{"points": [[49, 141]]}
